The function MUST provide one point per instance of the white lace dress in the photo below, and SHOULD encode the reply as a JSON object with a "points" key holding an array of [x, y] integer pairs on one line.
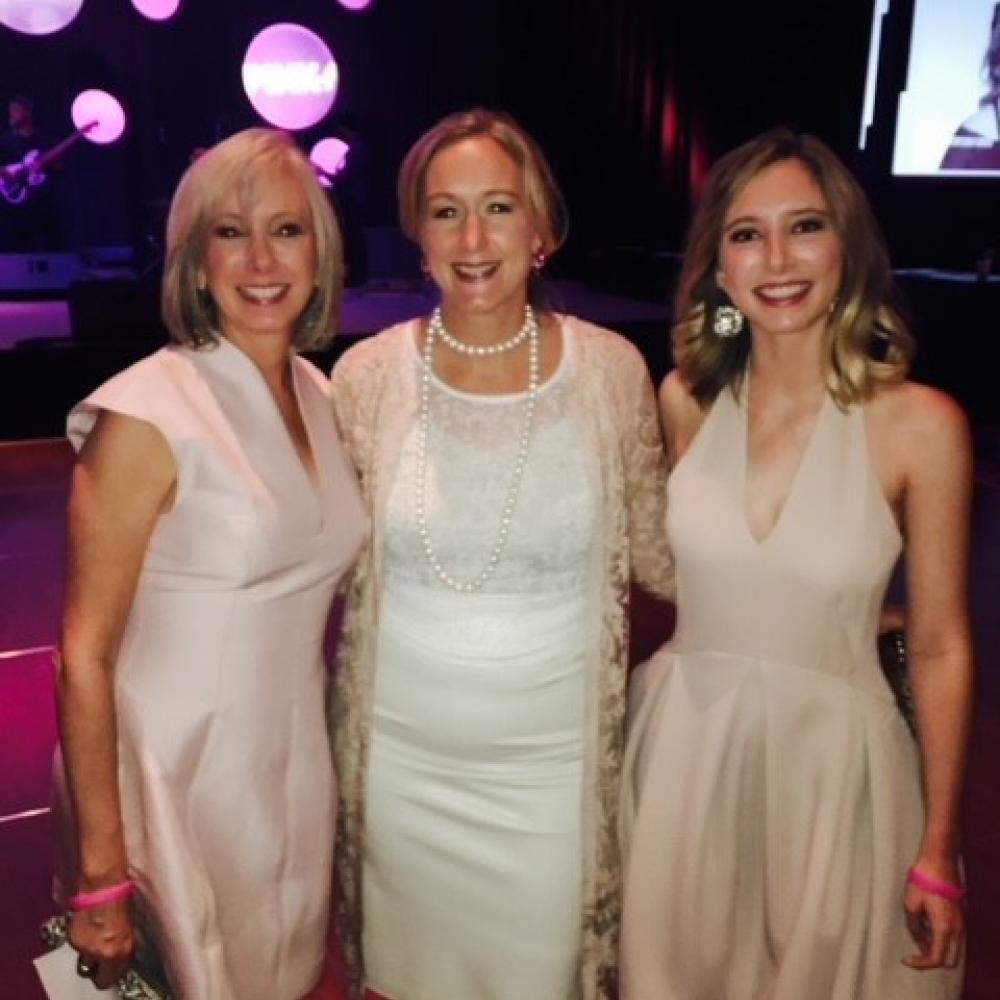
{"points": [[472, 868]]}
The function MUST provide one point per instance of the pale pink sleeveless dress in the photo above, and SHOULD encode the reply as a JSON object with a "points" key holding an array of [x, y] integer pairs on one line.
{"points": [[225, 768], [772, 802]]}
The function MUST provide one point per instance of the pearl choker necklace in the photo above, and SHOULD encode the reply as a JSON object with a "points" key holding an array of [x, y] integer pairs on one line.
{"points": [[480, 350], [435, 328]]}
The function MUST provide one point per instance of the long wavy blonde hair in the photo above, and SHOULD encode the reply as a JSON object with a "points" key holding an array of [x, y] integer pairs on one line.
{"points": [[868, 342]]}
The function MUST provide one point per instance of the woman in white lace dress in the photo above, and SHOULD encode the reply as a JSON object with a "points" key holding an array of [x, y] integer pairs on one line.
{"points": [[513, 468]]}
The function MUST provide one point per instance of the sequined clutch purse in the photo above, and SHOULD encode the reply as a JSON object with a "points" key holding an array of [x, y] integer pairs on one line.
{"points": [[892, 657], [136, 984]]}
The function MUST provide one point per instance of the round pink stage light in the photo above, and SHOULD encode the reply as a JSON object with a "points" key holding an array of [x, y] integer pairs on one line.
{"points": [[356, 5], [38, 17], [156, 10], [98, 115], [330, 156], [290, 76]]}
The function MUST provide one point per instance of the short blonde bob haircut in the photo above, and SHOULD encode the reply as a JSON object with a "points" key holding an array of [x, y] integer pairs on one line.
{"points": [[546, 207], [189, 313], [868, 343]]}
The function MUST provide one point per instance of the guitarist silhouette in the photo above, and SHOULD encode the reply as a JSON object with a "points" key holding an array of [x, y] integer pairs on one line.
{"points": [[33, 225]]}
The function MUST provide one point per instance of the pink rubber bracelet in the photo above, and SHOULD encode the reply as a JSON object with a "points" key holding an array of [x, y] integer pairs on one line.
{"points": [[943, 889], [85, 900]]}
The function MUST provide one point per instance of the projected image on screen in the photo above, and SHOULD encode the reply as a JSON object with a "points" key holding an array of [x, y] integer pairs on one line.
{"points": [[949, 114], [976, 143]]}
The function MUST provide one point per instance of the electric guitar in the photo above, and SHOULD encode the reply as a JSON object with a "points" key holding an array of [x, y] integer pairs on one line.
{"points": [[17, 179]]}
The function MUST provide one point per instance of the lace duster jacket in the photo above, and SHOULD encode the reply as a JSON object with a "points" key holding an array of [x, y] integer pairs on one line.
{"points": [[375, 398]]}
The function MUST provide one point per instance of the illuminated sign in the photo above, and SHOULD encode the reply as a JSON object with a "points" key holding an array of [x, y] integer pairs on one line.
{"points": [[38, 17], [98, 106], [290, 76], [330, 155], [156, 10], [277, 79]]}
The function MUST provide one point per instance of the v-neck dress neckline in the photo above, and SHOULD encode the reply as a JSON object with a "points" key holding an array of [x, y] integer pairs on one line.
{"points": [[741, 405]]}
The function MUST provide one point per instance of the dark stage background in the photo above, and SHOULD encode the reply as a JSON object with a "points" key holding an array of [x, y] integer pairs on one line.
{"points": [[631, 100]]}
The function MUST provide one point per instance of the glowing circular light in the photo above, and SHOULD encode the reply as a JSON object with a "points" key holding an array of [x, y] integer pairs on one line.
{"points": [[290, 76], [330, 155], [156, 10], [98, 115], [355, 4], [38, 17]]}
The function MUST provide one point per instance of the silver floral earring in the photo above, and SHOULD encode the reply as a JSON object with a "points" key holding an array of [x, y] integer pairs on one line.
{"points": [[727, 321]]}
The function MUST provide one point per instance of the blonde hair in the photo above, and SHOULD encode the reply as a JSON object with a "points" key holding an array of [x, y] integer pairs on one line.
{"points": [[868, 341], [189, 313], [545, 202]]}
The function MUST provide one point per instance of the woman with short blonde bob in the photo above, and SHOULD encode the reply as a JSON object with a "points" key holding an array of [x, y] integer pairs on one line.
{"points": [[785, 835], [513, 469], [189, 313], [212, 513]]}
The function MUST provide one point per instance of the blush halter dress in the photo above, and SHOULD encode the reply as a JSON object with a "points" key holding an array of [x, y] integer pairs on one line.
{"points": [[772, 802]]}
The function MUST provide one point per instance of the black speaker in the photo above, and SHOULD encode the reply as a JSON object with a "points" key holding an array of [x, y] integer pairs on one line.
{"points": [[115, 310]]}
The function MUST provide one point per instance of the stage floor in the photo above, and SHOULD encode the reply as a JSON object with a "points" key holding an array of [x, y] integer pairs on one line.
{"points": [[364, 310], [33, 483]]}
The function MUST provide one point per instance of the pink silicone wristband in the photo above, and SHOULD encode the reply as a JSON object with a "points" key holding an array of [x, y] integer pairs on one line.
{"points": [[85, 900], [943, 889]]}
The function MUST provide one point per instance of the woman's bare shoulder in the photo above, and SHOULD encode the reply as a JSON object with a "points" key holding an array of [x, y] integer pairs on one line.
{"points": [[922, 426], [680, 413], [911, 408]]}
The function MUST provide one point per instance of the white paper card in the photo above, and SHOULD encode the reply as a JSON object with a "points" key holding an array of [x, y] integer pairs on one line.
{"points": [[57, 971]]}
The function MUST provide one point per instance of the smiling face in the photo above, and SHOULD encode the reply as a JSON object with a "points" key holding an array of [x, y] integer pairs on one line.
{"points": [[476, 231], [780, 259], [260, 257]]}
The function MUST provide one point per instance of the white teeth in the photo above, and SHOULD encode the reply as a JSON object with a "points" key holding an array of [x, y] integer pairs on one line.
{"points": [[476, 270], [262, 293], [782, 291]]}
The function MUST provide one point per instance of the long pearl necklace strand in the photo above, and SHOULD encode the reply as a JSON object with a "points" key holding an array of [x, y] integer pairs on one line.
{"points": [[435, 328]]}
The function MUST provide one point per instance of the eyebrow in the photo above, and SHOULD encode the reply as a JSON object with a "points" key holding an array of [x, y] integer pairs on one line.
{"points": [[794, 213], [244, 219], [493, 192]]}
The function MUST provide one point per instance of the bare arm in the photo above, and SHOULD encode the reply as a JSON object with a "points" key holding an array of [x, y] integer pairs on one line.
{"points": [[680, 416], [122, 482], [937, 484]]}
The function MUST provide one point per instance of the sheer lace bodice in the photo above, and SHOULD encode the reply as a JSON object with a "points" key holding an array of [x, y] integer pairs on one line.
{"points": [[472, 446]]}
